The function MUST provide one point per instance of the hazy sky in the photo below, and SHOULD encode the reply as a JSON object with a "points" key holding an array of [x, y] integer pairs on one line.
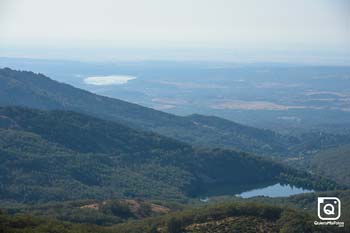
{"points": [[286, 24]]}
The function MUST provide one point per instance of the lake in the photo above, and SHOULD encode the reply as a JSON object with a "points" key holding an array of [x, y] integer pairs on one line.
{"points": [[276, 190], [248, 191], [108, 80]]}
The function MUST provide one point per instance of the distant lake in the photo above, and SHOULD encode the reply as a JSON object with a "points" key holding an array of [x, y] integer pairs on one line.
{"points": [[276, 190], [253, 190], [108, 80]]}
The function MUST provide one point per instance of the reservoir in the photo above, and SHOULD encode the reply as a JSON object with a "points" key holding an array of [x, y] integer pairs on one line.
{"points": [[248, 191], [276, 190]]}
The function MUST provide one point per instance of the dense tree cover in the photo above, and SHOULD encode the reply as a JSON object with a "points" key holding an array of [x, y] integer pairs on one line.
{"points": [[38, 91], [259, 141], [98, 212], [39, 162], [62, 155], [332, 164], [222, 218], [83, 133], [306, 203], [290, 214], [29, 224], [228, 218]]}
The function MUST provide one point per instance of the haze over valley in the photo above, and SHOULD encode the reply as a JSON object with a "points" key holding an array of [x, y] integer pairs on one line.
{"points": [[282, 97], [182, 116]]}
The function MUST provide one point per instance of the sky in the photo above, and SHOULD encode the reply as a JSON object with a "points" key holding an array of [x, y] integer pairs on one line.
{"points": [[300, 25]]}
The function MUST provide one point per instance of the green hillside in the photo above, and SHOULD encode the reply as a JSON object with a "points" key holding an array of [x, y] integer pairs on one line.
{"points": [[303, 203], [332, 163], [308, 202], [38, 91], [283, 214], [29, 224], [58, 155], [222, 218], [229, 218], [87, 159], [83, 133]]}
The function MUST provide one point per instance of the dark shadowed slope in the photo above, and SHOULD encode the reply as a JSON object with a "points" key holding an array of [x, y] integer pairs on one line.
{"points": [[333, 164], [38, 91], [57, 155]]}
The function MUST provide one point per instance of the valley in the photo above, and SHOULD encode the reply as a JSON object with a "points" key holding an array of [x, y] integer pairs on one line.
{"points": [[284, 97], [38, 91], [128, 168], [163, 116]]}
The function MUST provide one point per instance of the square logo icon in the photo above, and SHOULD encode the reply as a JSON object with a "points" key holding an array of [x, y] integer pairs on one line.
{"points": [[328, 208]]}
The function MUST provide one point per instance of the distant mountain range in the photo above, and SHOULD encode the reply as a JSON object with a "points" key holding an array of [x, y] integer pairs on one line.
{"points": [[32, 90]]}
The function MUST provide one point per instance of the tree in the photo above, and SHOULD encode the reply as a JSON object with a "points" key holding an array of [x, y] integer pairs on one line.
{"points": [[174, 225]]}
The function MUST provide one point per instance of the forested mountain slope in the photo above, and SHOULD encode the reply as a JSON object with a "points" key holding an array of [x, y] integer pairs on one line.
{"points": [[59, 155], [224, 218], [38, 91], [229, 218], [331, 163]]}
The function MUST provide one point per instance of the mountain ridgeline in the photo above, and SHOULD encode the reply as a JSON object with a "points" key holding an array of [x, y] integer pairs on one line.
{"points": [[38, 91], [61, 155], [223, 218], [73, 161]]}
